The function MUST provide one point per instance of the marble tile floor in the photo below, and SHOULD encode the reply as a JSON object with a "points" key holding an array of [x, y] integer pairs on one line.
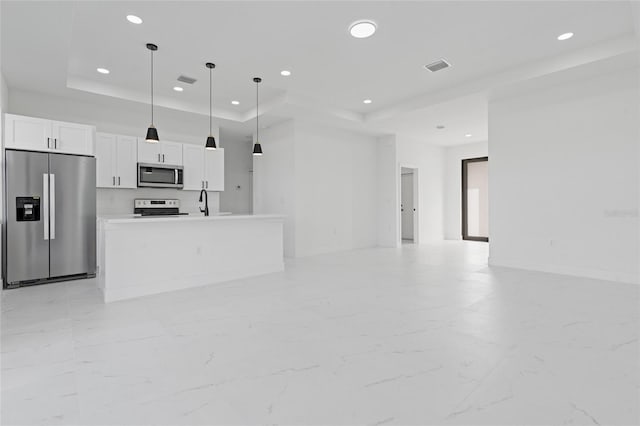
{"points": [[410, 336]]}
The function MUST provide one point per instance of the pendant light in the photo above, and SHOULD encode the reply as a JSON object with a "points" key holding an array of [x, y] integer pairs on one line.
{"points": [[257, 148], [152, 133], [211, 141]]}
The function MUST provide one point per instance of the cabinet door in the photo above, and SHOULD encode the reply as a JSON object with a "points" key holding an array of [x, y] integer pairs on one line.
{"points": [[149, 152], [73, 138], [27, 133], [172, 153], [126, 162], [214, 169], [193, 157], [105, 160]]}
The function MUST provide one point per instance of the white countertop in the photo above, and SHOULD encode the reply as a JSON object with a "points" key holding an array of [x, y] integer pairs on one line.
{"points": [[187, 218]]}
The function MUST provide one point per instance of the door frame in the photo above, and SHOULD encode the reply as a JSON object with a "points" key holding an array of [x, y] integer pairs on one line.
{"points": [[416, 202], [465, 235]]}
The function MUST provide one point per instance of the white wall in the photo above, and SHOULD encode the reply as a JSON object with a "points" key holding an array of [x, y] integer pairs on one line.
{"points": [[236, 197], [453, 185], [274, 189], [388, 195], [564, 179], [127, 118], [324, 180], [336, 190], [429, 160]]}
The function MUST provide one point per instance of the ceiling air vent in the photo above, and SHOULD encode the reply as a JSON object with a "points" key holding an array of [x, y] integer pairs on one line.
{"points": [[437, 65], [185, 79]]}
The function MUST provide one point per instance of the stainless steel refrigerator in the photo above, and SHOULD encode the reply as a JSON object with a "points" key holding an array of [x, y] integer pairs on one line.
{"points": [[50, 217]]}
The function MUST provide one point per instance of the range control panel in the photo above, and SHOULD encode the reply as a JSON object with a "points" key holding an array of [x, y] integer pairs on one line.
{"points": [[27, 209], [150, 204]]}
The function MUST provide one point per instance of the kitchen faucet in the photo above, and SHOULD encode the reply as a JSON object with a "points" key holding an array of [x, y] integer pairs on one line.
{"points": [[206, 202]]}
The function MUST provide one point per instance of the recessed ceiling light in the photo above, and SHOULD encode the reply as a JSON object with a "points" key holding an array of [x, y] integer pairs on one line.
{"points": [[134, 19], [439, 127], [235, 103], [285, 73], [565, 36], [102, 70], [468, 135], [367, 101], [178, 89], [362, 29]]}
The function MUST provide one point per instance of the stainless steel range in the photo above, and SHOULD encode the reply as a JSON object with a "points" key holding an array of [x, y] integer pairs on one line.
{"points": [[157, 207]]}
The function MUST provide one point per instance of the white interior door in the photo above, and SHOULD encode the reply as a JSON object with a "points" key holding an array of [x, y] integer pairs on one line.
{"points": [[407, 206]]}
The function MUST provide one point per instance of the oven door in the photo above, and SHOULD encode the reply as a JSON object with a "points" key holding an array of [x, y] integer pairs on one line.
{"points": [[155, 176]]}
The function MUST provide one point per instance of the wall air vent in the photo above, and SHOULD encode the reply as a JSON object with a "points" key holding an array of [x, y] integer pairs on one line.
{"points": [[185, 79], [437, 65]]}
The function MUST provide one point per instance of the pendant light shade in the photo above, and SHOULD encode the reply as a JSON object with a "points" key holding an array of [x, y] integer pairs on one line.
{"points": [[152, 132], [257, 148], [211, 141]]}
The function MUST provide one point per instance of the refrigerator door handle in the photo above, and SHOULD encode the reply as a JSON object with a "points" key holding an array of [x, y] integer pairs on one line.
{"points": [[52, 206], [45, 204]]}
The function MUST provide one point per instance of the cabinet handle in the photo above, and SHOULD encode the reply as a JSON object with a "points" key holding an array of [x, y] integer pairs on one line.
{"points": [[163, 158], [207, 185], [55, 143], [118, 180], [48, 142], [158, 158], [202, 185], [114, 180]]}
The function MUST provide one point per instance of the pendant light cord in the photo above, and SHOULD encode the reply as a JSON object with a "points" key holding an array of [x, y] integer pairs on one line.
{"points": [[257, 114], [210, 96], [152, 87]]}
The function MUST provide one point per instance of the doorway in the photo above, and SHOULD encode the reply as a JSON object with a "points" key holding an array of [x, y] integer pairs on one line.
{"points": [[475, 199], [408, 205]]}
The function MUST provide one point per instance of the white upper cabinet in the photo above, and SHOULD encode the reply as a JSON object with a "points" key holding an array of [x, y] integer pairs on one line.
{"points": [[47, 135], [214, 169], [106, 147], [26, 132], [193, 157], [172, 153], [203, 168], [169, 153], [73, 138], [149, 152], [127, 162], [116, 161]]}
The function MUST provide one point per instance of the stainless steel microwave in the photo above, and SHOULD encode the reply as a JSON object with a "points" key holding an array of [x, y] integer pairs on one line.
{"points": [[160, 176]]}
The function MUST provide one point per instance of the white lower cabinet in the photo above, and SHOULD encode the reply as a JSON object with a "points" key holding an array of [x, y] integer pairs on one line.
{"points": [[203, 168], [116, 161]]}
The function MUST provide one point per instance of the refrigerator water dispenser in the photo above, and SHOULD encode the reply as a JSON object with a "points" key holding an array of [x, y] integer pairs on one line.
{"points": [[27, 209]]}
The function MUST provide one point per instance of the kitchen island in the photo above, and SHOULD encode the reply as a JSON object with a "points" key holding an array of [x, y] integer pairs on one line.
{"points": [[139, 256]]}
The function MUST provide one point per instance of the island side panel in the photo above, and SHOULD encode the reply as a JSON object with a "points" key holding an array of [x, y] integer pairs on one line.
{"points": [[143, 258]]}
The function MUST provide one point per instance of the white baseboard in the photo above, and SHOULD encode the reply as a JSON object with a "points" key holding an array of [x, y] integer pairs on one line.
{"points": [[598, 274]]}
